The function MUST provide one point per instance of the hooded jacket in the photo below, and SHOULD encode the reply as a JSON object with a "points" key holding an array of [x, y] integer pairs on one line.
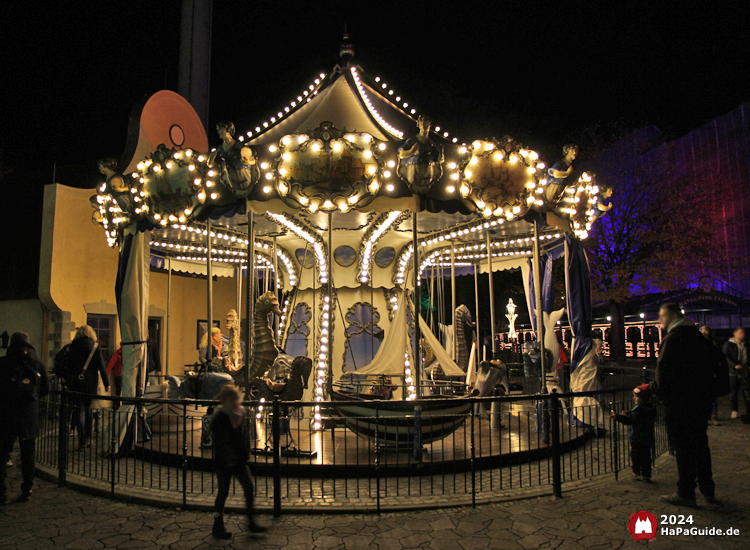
{"points": [[736, 354], [684, 376]]}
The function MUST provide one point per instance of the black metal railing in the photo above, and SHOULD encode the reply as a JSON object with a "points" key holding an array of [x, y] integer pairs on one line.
{"points": [[482, 448]]}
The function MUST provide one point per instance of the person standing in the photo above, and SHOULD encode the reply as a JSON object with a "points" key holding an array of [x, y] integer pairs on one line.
{"points": [[114, 371], [154, 361], [23, 380], [640, 423], [230, 457], [684, 381], [708, 334], [85, 366], [735, 351]]}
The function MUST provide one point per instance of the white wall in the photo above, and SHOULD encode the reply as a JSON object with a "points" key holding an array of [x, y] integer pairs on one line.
{"points": [[23, 316]]}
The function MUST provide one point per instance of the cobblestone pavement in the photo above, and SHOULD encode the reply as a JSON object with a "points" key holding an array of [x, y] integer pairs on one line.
{"points": [[593, 515]]}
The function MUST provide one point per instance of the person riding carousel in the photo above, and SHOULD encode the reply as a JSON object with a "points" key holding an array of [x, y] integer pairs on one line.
{"points": [[219, 361]]}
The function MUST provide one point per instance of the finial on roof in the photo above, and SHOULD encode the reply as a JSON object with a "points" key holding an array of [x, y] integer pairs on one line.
{"points": [[346, 51]]}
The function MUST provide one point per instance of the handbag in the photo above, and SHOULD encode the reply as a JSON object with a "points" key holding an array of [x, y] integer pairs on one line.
{"points": [[86, 364]]}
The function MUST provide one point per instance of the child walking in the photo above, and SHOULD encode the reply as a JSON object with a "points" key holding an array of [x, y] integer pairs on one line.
{"points": [[230, 457], [640, 423]]}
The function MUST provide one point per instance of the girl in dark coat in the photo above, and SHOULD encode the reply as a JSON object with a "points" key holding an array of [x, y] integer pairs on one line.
{"points": [[84, 379], [230, 457]]}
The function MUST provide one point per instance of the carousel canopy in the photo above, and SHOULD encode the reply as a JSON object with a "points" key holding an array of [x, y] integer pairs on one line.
{"points": [[350, 155]]}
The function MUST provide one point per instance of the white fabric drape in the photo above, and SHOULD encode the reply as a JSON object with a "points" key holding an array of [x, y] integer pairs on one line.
{"points": [[389, 360], [450, 368]]}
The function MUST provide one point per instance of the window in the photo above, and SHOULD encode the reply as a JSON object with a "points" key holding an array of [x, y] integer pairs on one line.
{"points": [[363, 336], [104, 326], [299, 331]]}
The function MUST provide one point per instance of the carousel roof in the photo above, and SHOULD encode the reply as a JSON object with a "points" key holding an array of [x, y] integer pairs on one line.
{"points": [[350, 99], [331, 157]]}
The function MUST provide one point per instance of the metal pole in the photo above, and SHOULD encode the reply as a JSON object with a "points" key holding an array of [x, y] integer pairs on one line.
{"points": [[249, 297], [417, 304], [209, 291], [239, 289], [556, 467], [329, 291], [276, 435], [276, 291], [169, 313], [492, 295], [538, 307], [63, 418], [476, 306], [453, 300]]}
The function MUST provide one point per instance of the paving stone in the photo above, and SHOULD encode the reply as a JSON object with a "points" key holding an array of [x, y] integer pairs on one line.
{"points": [[532, 541], [327, 542], [592, 514]]}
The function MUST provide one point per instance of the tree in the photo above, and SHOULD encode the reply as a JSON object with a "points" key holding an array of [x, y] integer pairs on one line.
{"points": [[661, 233]]}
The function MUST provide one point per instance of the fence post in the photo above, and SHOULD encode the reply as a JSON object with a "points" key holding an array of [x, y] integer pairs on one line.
{"points": [[615, 444], [377, 459], [184, 455], [555, 421], [62, 438], [276, 431], [113, 448], [473, 465]]}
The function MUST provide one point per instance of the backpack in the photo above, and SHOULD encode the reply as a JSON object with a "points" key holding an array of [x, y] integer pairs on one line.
{"points": [[62, 362], [25, 378], [719, 372]]}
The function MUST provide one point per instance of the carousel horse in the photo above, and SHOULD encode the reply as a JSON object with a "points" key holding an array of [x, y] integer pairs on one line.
{"points": [[234, 347], [463, 336], [294, 378], [288, 382], [264, 347], [489, 375]]}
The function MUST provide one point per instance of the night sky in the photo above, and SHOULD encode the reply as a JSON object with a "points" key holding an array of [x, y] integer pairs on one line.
{"points": [[71, 71]]}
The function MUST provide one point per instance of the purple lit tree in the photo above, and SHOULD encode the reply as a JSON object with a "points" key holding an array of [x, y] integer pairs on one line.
{"points": [[661, 233]]}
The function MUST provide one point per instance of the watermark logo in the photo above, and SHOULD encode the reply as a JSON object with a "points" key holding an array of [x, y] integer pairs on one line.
{"points": [[643, 526]]}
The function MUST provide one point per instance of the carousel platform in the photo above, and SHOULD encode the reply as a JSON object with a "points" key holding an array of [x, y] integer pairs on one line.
{"points": [[339, 451]]}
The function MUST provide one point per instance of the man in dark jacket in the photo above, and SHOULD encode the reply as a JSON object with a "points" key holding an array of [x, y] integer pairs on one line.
{"points": [[684, 383], [23, 380], [735, 350]]}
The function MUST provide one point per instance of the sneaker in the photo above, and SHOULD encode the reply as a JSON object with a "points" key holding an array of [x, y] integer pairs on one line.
{"points": [[9, 464], [715, 421], [735, 414], [25, 496], [647, 480], [677, 500], [711, 499], [635, 476]]}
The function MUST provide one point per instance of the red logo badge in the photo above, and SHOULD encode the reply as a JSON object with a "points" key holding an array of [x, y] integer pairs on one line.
{"points": [[643, 525]]}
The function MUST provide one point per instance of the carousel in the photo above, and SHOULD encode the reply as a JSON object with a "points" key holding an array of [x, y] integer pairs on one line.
{"points": [[340, 216]]}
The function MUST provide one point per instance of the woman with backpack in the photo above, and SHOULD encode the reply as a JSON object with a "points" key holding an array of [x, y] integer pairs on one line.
{"points": [[84, 366]]}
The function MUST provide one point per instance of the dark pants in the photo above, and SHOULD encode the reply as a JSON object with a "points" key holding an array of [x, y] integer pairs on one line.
{"points": [[224, 480], [82, 418], [690, 439], [27, 461], [118, 391], [640, 456], [739, 387]]}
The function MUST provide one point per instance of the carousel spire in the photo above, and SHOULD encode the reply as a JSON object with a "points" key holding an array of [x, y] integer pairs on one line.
{"points": [[346, 51]]}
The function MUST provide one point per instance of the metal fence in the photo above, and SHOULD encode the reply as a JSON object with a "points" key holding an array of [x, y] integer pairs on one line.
{"points": [[496, 446]]}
